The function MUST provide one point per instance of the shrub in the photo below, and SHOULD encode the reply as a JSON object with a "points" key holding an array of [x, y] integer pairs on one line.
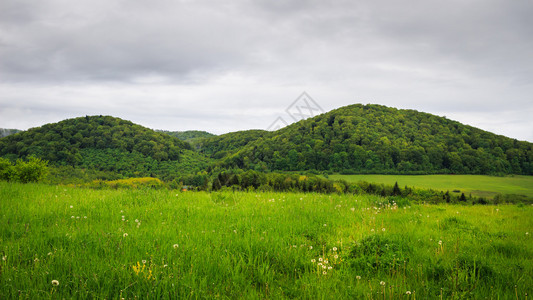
{"points": [[32, 170]]}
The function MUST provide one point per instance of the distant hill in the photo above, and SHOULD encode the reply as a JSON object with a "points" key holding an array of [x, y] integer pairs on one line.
{"points": [[5, 132], [220, 146], [189, 135], [378, 139], [105, 143]]}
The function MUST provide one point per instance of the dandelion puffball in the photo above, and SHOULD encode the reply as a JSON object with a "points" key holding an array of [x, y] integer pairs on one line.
{"points": [[55, 282]]}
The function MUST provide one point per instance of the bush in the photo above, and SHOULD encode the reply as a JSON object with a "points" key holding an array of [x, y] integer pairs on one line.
{"points": [[32, 170], [6, 169]]}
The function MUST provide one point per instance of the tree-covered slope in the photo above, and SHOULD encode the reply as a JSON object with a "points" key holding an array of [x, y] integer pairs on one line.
{"points": [[379, 139], [220, 146], [189, 135], [105, 143]]}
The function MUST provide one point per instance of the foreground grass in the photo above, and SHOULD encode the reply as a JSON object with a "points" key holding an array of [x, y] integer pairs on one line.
{"points": [[477, 185], [163, 244]]}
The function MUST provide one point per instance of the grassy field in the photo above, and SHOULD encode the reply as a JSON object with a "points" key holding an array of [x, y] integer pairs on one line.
{"points": [[477, 185], [59, 242]]}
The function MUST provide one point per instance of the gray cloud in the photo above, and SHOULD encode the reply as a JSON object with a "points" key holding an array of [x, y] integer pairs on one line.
{"points": [[226, 66]]}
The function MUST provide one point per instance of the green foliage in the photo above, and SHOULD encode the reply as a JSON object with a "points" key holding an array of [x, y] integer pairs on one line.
{"points": [[31, 170], [61, 143], [377, 139], [223, 145], [188, 136]]}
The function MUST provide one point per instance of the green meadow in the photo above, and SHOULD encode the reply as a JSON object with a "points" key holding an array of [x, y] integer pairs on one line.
{"points": [[60, 242], [477, 185]]}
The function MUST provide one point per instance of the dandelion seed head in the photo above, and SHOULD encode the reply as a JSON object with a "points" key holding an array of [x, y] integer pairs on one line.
{"points": [[175, 246], [310, 247], [313, 260], [336, 256], [330, 267], [382, 283], [383, 229], [358, 277], [324, 272], [440, 242], [320, 259], [4, 258], [334, 249], [125, 235], [55, 282], [408, 293], [143, 261]]}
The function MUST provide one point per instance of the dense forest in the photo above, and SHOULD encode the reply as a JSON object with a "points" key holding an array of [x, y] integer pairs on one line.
{"points": [[189, 135], [352, 139], [378, 139], [105, 143]]}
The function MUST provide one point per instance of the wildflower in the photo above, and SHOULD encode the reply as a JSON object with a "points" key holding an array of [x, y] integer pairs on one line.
{"points": [[372, 229], [313, 260], [324, 272], [71, 206], [36, 259], [4, 258], [383, 229], [85, 217], [358, 277], [320, 259], [164, 266], [382, 283], [325, 225], [136, 220], [143, 261], [336, 256], [175, 246], [324, 266], [72, 217], [334, 249], [310, 247], [319, 264], [352, 209], [408, 293], [49, 253], [440, 242], [330, 267], [527, 233], [125, 235], [55, 282]]}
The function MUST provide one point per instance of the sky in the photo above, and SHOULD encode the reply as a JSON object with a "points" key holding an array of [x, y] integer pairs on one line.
{"points": [[224, 66]]}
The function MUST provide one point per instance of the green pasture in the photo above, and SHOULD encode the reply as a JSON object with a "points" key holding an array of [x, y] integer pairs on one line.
{"points": [[61, 243], [477, 185]]}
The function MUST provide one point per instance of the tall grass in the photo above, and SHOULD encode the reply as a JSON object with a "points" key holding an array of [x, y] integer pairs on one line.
{"points": [[145, 243]]}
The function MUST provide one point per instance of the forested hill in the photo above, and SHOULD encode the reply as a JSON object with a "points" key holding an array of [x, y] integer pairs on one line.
{"points": [[189, 135], [104, 143], [378, 139], [223, 145]]}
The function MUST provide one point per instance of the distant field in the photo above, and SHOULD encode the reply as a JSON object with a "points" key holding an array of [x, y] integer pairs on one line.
{"points": [[76, 243], [478, 185]]}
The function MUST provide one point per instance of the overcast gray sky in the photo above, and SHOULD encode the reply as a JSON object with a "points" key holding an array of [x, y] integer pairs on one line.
{"points": [[223, 66]]}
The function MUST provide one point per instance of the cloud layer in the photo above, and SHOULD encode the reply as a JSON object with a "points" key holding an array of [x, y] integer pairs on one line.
{"points": [[225, 66]]}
